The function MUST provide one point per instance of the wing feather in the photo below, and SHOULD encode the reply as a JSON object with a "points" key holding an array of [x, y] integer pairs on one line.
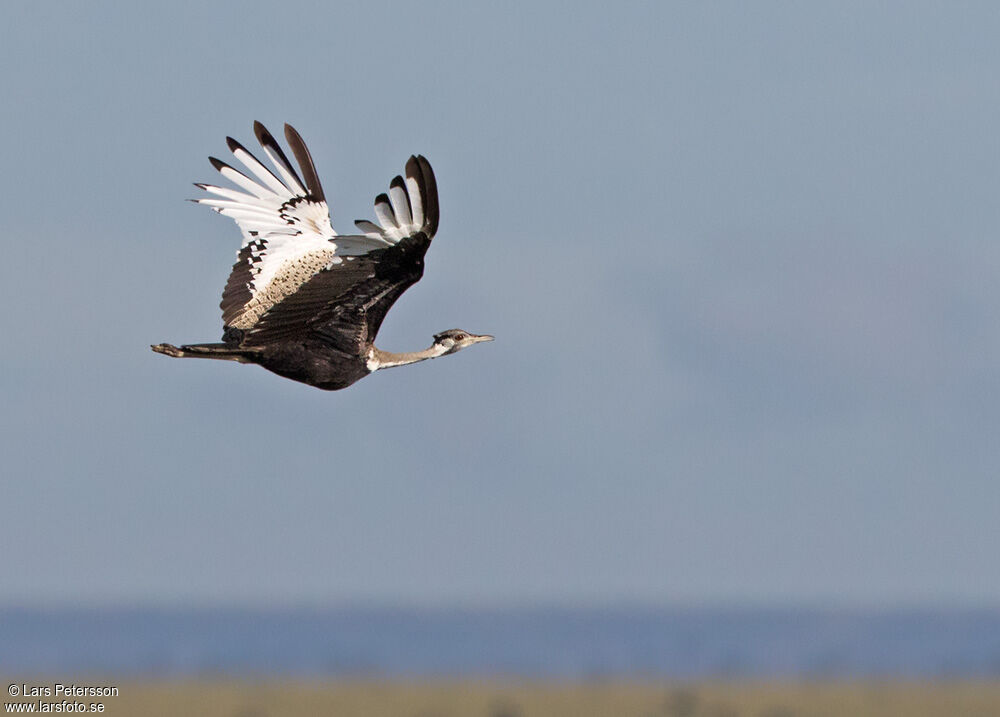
{"points": [[305, 161], [277, 156], [241, 197], [400, 202], [369, 228], [298, 312], [293, 269], [385, 216], [237, 177], [259, 170], [410, 206], [429, 195], [414, 187]]}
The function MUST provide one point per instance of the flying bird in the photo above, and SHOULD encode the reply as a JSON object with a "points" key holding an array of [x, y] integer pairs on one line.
{"points": [[303, 301]]}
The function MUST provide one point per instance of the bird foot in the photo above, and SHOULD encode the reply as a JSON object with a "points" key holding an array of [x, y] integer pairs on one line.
{"points": [[168, 350]]}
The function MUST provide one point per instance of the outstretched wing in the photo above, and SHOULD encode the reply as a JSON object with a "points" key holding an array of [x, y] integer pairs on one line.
{"points": [[285, 222], [347, 299]]}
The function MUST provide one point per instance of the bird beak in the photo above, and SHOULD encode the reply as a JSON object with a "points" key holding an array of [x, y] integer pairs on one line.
{"points": [[480, 339]]}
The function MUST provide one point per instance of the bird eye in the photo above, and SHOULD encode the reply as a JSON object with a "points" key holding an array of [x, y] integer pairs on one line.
{"points": [[459, 337]]}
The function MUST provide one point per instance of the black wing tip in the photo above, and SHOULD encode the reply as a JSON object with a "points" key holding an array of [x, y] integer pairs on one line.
{"points": [[291, 132], [397, 183], [432, 211], [301, 152], [217, 163], [412, 167], [263, 136], [383, 198], [419, 169], [270, 144], [425, 165], [233, 144]]}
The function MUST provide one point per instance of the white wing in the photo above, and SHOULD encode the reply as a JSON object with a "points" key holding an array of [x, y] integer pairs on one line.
{"points": [[285, 222]]}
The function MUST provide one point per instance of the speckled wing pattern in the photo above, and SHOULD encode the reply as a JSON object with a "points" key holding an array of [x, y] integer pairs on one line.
{"points": [[289, 245]]}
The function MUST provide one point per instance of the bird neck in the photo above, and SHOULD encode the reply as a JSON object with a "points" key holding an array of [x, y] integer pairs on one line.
{"points": [[379, 359]]}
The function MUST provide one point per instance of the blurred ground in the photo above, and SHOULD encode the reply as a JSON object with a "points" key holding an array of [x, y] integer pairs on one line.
{"points": [[525, 699]]}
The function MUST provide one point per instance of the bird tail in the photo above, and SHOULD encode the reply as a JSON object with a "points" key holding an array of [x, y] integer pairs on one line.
{"points": [[222, 352]]}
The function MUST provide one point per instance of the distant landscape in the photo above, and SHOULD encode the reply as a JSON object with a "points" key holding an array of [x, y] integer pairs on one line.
{"points": [[539, 662], [561, 644]]}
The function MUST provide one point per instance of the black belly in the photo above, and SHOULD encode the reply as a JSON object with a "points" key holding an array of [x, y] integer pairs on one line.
{"points": [[314, 363]]}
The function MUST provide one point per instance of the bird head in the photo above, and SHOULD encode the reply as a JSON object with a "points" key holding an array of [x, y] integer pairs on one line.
{"points": [[453, 340]]}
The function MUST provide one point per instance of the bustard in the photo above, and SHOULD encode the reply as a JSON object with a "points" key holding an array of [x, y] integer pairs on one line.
{"points": [[303, 301]]}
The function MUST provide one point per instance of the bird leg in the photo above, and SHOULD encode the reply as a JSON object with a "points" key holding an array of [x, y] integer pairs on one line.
{"points": [[209, 351]]}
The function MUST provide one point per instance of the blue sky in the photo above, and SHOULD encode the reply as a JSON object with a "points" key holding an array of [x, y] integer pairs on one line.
{"points": [[741, 262]]}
